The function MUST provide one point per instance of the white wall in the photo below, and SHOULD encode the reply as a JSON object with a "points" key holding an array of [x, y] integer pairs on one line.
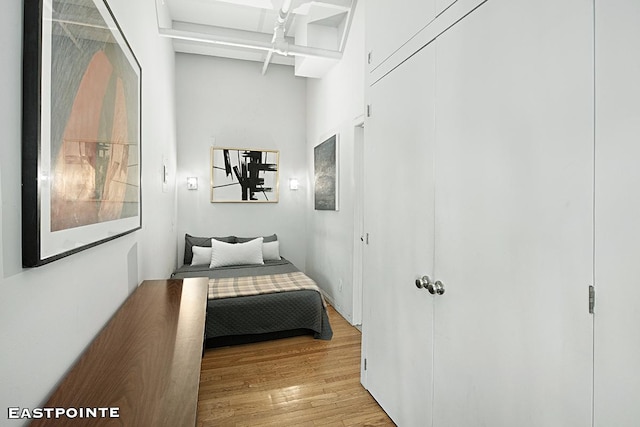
{"points": [[159, 147], [48, 315], [334, 104], [229, 103]]}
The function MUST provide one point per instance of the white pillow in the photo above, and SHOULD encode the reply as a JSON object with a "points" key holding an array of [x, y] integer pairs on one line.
{"points": [[271, 251], [223, 254], [201, 255]]}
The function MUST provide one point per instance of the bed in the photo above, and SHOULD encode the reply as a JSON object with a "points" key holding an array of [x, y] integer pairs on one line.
{"points": [[254, 293]]}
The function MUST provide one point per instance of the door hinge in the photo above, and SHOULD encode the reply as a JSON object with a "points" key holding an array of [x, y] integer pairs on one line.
{"points": [[365, 364], [369, 57], [368, 110], [592, 298]]}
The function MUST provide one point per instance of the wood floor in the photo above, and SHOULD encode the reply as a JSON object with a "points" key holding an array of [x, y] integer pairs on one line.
{"points": [[296, 381]]}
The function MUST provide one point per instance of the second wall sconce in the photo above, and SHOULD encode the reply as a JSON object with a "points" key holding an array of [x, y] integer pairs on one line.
{"points": [[192, 183], [294, 184]]}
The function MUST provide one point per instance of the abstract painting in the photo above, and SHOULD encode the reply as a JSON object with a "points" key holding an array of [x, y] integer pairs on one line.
{"points": [[326, 175], [81, 129], [244, 175]]}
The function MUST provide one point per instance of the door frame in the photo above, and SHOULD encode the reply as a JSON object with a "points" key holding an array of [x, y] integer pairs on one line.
{"points": [[358, 218]]}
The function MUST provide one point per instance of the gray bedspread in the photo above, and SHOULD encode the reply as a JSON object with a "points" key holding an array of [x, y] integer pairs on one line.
{"points": [[261, 314]]}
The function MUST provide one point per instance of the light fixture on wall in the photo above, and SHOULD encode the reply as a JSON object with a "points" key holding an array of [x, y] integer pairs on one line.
{"points": [[294, 184], [192, 183]]}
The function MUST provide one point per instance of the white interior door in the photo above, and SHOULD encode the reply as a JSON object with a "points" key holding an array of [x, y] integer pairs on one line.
{"points": [[398, 317], [617, 316], [514, 207]]}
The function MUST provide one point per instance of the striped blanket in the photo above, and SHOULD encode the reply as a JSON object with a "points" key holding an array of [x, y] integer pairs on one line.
{"points": [[230, 287]]}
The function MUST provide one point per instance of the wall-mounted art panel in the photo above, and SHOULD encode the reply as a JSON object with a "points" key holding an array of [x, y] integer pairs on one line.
{"points": [[244, 175], [325, 163], [81, 129]]}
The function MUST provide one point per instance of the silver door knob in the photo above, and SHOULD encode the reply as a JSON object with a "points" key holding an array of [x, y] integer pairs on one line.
{"points": [[425, 283]]}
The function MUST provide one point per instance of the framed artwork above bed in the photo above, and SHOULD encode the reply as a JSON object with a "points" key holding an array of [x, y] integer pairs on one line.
{"points": [[244, 175]]}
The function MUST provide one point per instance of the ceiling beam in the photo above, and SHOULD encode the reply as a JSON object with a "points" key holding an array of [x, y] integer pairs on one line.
{"points": [[284, 48]]}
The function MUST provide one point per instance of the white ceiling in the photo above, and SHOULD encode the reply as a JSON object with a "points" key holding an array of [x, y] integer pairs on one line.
{"points": [[308, 35]]}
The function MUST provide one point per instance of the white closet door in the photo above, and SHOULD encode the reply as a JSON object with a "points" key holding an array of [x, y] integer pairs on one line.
{"points": [[514, 205], [398, 317], [617, 312]]}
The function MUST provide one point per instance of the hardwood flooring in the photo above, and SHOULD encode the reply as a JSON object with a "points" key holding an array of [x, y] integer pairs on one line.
{"points": [[295, 381]]}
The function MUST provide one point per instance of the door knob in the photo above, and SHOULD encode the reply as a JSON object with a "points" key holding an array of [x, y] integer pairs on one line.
{"points": [[425, 283]]}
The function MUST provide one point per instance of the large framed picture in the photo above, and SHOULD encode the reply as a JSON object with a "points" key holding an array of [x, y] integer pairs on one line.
{"points": [[81, 150], [244, 175], [325, 165]]}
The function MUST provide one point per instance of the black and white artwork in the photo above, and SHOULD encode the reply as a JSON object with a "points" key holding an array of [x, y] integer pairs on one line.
{"points": [[326, 175], [244, 175]]}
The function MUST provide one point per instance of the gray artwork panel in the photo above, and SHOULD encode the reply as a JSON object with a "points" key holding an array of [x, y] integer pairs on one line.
{"points": [[325, 166]]}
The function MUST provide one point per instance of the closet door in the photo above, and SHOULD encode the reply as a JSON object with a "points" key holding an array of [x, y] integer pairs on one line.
{"points": [[617, 312], [398, 316], [514, 206]]}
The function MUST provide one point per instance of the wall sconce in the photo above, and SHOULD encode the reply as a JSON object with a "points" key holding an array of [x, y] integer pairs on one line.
{"points": [[294, 184], [192, 183]]}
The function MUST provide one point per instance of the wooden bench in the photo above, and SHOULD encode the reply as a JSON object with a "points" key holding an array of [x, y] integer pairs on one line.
{"points": [[143, 368]]}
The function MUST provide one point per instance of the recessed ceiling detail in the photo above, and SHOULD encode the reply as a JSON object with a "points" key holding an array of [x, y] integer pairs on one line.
{"points": [[308, 35]]}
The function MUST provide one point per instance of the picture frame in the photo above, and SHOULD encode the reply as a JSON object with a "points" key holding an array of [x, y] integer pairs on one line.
{"points": [[81, 148], [244, 175], [326, 184]]}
